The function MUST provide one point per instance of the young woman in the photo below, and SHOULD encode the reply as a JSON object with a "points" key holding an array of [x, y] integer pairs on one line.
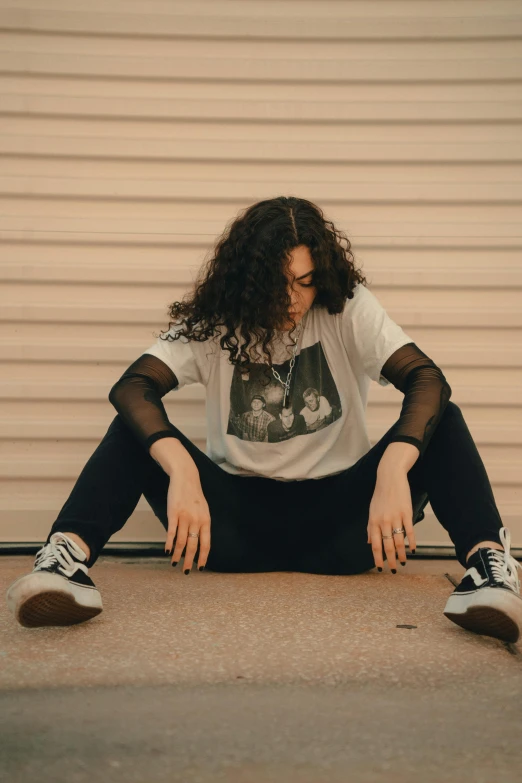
{"points": [[284, 334]]}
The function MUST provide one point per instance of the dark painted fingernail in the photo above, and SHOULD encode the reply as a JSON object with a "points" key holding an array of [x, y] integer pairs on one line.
{"points": [[175, 563], [379, 568], [168, 551], [394, 570], [201, 568], [413, 551], [186, 571], [402, 563]]}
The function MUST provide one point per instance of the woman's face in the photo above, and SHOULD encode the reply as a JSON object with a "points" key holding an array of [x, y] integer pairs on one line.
{"points": [[300, 287]]}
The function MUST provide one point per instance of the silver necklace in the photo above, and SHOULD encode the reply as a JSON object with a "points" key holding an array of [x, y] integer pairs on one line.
{"points": [[286, 384]]}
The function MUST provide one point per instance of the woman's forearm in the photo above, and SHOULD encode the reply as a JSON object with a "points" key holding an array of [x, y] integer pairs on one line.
{"points": [[172, 456], [398, 456]]}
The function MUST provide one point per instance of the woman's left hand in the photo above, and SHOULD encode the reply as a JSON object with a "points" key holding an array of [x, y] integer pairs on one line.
{"points": [[391, 507]]}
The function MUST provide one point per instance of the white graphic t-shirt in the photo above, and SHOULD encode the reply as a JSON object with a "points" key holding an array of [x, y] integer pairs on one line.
{"points": [[248, 433]]}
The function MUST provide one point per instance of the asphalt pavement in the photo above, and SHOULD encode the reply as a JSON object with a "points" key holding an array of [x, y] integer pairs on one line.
{"points": [[258, 677]]}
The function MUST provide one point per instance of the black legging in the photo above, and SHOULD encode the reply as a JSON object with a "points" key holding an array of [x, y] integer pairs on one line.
{"points": [[261, 524]]}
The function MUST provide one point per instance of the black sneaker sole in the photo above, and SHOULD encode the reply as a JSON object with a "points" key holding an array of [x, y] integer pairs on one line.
{"points": [[54, 608], [487, 621]]}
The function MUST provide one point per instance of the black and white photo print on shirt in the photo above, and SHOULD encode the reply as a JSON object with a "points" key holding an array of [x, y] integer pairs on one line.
{"points": [[256, 404]]}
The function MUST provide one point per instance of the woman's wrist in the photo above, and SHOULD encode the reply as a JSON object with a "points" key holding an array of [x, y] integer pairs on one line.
{"points": [[398, 457], [173, 457]]}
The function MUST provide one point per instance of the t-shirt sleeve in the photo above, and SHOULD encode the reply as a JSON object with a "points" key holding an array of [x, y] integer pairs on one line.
{"points": [[180, 356], [426, 395], [371, 332], [387, 354]]}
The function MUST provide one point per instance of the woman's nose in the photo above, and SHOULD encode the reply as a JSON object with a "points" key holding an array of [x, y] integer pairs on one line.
{"points": [[294, 298]]}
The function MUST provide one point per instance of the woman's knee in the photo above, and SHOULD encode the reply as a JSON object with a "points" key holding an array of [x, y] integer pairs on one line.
{"points": [[451, 415], [451, 410], [120, 428]]}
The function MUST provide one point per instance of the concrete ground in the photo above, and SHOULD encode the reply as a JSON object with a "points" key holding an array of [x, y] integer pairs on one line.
{"points": [[258, 677]]}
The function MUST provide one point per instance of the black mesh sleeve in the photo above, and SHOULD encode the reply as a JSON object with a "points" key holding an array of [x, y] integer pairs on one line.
{"points": [[426, 394], [137, 398]]}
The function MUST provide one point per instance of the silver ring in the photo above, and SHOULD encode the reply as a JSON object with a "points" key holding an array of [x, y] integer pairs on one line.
{"points": [[193, 535], [399, 530], [387, 536]]}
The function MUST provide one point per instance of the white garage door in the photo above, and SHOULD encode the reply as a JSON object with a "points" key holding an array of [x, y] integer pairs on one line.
{"points": [[132, 132]]}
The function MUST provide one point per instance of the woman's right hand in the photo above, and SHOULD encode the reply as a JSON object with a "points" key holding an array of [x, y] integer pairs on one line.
{"points": [[188, 512]]}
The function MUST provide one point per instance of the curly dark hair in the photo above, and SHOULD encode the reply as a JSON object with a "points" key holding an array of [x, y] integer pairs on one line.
{"points": [[243, 285]]}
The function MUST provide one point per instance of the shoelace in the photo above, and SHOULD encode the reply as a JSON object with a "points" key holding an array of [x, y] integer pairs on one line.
{"points": [[55, 552], [503, 565]]}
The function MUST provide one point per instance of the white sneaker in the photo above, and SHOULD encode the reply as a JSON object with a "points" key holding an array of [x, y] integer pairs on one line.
{"points": [[59, 590], [488, 600]]}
